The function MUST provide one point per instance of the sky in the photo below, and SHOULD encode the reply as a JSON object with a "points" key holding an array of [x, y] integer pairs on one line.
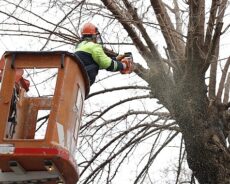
{"points": [[28, 43]]}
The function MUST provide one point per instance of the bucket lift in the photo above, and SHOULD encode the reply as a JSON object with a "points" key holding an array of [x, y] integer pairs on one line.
{"points": [[23, 158]]}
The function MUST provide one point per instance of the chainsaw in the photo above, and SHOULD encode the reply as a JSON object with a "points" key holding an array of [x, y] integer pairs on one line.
{"points": [[126, 58], [128, 61]]}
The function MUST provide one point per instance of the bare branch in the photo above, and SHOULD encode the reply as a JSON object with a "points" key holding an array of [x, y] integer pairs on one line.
{"points": [[222, 80], [139, 25], [111, 107], [211, 23], [116, 89], [212, 80], [195, 40], [226, 90], [132, 33], [172, 39], [154, 156], [214, 43], [213, 51], [57, 25]]}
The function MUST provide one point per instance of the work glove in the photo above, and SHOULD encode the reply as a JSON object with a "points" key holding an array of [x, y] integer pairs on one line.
{"points": [[120, 57]]}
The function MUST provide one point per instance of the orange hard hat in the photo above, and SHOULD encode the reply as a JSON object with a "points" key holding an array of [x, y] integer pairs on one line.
{"points": [[89, 29]]}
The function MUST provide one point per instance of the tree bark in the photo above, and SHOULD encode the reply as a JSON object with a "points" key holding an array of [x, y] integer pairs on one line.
{"points": [[203, 124]]}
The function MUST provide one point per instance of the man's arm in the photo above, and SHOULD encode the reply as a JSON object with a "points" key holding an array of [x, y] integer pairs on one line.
{"points": [[104, 61]]}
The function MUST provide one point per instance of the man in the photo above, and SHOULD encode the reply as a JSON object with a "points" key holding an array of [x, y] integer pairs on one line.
{"points": [[90, 51]]}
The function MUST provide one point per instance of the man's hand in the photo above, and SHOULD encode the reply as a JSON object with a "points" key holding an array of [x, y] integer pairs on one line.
{"points": [[120, 57]]}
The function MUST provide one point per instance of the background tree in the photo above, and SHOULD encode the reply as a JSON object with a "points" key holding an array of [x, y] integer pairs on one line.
{"points": [[182, 75]]}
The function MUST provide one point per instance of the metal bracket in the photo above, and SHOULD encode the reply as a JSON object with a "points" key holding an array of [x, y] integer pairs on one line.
{"points": [[62, 60], [13, 60], [16, 167]]}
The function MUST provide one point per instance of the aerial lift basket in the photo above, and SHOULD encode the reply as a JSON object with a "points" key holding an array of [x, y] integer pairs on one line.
{"points": [[23, 157]]}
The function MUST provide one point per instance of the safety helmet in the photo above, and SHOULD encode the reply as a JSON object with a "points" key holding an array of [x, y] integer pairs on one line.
{"points": [[89, 29]]}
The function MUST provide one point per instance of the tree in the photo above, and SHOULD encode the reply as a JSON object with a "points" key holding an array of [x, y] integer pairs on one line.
{"points": [[184, 79], [201, 114]]}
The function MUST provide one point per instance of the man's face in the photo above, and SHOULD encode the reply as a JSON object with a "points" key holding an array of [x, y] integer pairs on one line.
{"points": [[98, 39]]}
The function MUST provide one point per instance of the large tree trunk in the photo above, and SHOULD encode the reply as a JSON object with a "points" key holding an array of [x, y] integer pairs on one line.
{"points": [[207, 154], [202, 123]]}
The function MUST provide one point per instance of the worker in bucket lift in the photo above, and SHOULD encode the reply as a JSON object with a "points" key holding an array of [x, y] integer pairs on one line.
{"points": [[91, 53]]}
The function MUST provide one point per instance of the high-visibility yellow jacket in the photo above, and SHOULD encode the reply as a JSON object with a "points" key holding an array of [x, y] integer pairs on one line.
{"points": [[94, 58]]}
